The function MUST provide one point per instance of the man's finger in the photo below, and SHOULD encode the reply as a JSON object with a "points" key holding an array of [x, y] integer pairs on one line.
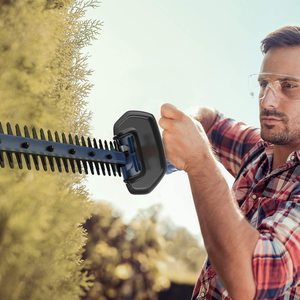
{"points": [[170, 111], [166, 123]]}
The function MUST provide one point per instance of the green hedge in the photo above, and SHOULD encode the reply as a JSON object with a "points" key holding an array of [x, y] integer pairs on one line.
{"points": [[43, 83]]}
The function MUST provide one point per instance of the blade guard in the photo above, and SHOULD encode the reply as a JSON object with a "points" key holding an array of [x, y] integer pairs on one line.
{"points": [[149, 149]]}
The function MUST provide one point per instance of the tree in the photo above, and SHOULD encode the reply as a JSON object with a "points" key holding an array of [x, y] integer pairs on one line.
{"points": [[123, 259], [185, 254]]}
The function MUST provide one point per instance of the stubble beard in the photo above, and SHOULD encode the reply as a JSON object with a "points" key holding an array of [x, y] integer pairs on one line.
{"points": [[275, 137], [278, 134]]}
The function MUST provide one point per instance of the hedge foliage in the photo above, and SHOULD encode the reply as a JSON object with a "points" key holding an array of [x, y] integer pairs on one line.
{"points": [[43, 83]]}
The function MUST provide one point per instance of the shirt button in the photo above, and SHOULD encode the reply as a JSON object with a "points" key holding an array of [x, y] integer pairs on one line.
{"points": [[254, 197], [203, 290]]}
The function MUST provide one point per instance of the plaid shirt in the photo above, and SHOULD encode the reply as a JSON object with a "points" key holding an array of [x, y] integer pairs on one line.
{"points": [[270, 200]]}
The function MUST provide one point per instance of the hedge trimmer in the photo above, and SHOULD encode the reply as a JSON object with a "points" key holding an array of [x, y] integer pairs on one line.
{"points": [[136, 152]]}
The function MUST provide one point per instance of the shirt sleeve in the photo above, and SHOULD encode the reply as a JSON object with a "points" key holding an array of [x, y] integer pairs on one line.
{"points": [[231, 140], [276, 259]]}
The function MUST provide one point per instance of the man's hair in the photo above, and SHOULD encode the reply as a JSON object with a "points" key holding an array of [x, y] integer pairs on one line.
{"points": [[283, 37]]}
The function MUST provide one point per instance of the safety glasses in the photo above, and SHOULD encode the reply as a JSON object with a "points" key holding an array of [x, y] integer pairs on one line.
{"points": [[285, 87]]}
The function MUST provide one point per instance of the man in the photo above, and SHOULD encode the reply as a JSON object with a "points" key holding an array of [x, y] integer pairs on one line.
{"points": [[252, 232]]}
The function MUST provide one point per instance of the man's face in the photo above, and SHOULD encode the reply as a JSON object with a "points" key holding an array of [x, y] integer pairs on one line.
{"points": [[279, 114]]}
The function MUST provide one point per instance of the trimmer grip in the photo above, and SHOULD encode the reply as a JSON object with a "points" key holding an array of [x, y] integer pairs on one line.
{"points": [[150, 150]]}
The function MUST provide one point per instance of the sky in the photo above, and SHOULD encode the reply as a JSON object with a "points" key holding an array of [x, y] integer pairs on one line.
{"points": [[190, 53]]}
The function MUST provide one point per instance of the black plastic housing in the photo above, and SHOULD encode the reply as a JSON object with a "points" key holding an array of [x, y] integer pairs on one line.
{"points": [[149, 150]]}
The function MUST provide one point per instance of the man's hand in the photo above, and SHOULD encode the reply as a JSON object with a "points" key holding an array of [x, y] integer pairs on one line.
{"points": [[184, 138]]}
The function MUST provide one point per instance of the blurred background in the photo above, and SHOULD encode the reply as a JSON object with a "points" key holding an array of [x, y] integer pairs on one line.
{"points": [[190, 53]]}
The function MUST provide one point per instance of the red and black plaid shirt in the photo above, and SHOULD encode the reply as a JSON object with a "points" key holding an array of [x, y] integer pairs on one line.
{"points": [[270, 200]]}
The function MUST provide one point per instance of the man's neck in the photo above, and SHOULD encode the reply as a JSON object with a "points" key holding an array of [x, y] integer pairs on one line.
{"points": [[281, 153]]}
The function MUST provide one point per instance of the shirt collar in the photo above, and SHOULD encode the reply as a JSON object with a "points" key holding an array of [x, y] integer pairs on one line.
{"points": [[293, 156]]}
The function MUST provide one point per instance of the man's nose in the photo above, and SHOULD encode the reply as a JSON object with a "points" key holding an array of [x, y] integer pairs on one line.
{"points": [[270, 97]]}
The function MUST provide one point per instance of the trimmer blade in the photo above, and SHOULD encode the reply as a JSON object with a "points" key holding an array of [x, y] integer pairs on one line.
{"points": [[56, 152]]}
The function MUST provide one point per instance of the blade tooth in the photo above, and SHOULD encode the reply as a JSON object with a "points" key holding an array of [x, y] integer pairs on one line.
{"points": [[83, 143], [71, 139], [72, 164], [71, 161], [78, 162], [90, 163], [95, 144], [79, 167], [10, 159], [116, 146], [108, 168], [102, 164], [35, 161], [97, 167], [84, 163], [26, 132], [44, 162], [89, 142], [113, 166], [34, 133], [91, 167], [58, 164], [27, 160], [87, 164], [101, 144], [51, 163], [49, 136], [107, 164], [1, 160], [94, 163], [56, 137], [43, 137], [63, 136], [1, 128], [117, 166], [18, 155], [18, 131], [65, 160], [114, 169], [77, 142], [65, 163], [43, 158], [8, 154], [119, 170], [8, 128], [19, 160], [85, 167], [27, 156]]}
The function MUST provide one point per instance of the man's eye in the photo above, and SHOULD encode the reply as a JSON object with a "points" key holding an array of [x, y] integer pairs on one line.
{"points": [[289, 84], [263, 83]]}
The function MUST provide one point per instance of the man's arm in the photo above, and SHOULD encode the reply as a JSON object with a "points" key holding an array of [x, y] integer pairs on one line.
{"points": [[230, 140], [229, 239], [207, 117]]}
